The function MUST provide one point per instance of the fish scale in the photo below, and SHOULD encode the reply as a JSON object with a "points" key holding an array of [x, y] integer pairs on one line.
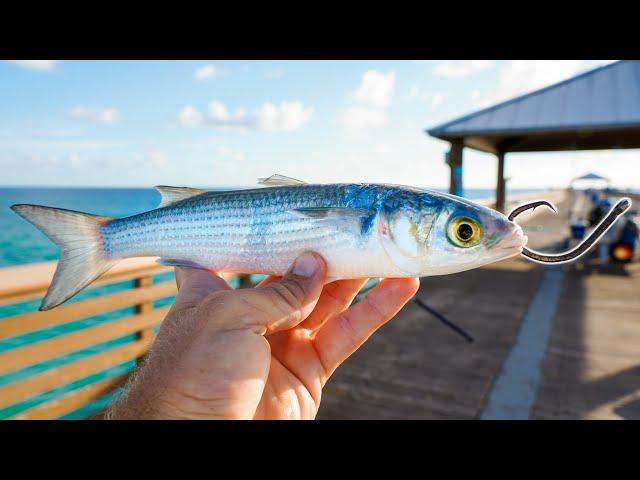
{"points": [[236, 231]]}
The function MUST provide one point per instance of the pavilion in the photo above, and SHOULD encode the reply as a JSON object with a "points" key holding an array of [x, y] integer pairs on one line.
{"points": [[597, 110]]}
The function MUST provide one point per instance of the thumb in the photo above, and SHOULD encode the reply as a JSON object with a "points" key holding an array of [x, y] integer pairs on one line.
{"points": [[194, 285], [284, 304]]}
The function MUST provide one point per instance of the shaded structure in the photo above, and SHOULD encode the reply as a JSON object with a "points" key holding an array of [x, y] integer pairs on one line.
{"points": [[590, 180], [597, 110]]}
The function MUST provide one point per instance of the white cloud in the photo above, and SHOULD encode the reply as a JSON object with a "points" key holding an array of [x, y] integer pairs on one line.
{"points": [[376, 89], [41, 65], [433, 99], [108, 116], [219, 116], [286, 116], [207, 72], [461, 68], [359, 118], [517, 77], [190, 117], [371, 99]]}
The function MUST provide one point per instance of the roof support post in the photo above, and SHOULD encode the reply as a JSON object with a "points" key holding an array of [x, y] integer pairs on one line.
{"points": [[455, 163], [500, 186]]}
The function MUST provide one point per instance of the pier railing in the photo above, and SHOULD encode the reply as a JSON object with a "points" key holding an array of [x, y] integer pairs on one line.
{"points": [[44, 356]]}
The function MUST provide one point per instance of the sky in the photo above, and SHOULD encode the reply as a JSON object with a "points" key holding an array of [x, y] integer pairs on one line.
{"points": [[227, 123]]}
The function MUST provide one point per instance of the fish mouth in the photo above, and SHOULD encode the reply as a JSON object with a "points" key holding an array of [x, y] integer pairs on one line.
{"points": [[514, 240]]}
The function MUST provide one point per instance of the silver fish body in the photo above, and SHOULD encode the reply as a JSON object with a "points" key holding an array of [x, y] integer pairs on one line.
{"points": [[361, 230], [262, 230]]}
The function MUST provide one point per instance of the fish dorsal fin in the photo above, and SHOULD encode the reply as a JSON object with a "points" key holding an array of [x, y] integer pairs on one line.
{"points": [[175, 194], [279, 181]]}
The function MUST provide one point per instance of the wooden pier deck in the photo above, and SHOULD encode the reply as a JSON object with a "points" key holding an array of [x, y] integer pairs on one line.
{"points": [[415, 368], [592, 366]]}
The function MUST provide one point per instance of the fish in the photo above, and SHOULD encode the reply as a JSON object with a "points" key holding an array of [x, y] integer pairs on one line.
{"points": [[362, 230]]}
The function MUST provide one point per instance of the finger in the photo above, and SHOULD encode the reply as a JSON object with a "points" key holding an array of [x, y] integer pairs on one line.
{"points": [[195, 284], [344, 334], [278, 305], [268, 279], [335, 298]]}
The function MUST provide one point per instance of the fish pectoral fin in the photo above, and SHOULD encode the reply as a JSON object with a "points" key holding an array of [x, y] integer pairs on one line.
{"points": [[175, 194], [327, 213], [279, 181], [173, 262]]}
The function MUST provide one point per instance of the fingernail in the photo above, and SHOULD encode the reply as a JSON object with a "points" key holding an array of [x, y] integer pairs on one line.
{"points": [[305, 266]]}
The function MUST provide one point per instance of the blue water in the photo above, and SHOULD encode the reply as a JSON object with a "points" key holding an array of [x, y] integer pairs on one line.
{"points": [[22, 243]]}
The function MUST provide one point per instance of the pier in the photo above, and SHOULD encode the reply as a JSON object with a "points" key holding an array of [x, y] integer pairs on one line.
{"points": [[550, 342]]}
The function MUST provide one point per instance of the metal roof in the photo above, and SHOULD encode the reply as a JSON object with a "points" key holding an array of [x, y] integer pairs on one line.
{"points": [[597, 109], [591, 176]]}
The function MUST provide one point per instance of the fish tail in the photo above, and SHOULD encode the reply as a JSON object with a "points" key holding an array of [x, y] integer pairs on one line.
{"points": [[82, 254]]}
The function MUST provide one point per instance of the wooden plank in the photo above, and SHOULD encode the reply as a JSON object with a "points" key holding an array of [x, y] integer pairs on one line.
{"points": [[55, 377], [21, 291], [63, 344], [37, 276], [28, 322], [71, 401], [6, 299]]}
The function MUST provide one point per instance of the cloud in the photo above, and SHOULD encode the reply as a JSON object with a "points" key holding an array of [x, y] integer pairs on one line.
{"points": [[359, 118], [461, 68], [190, 117], [40, 65], [517, 77], [108, 116], [287, 116], [207, 72], [433, 99], [370, 102], [375, 90]]}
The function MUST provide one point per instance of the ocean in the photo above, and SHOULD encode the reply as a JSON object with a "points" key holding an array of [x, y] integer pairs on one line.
{"points": [[21, 243]]}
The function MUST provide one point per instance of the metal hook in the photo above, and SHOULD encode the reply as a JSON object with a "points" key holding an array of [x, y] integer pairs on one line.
{"points": [[619, 208]]}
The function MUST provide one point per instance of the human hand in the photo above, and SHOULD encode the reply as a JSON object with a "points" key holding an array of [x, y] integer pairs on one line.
{"points": [[259, 353]]}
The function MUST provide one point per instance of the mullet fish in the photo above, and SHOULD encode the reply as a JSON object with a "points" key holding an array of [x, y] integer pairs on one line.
{"points": [[361, 230]]}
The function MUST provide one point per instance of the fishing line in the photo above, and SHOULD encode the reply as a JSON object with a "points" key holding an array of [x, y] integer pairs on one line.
{"points": [[459, 330]]}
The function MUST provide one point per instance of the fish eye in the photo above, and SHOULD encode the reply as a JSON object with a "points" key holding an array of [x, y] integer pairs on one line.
{"points": [[464, 232]]}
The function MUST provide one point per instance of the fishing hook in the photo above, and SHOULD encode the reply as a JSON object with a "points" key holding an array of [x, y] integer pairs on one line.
{"points": [[619, 208]]}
